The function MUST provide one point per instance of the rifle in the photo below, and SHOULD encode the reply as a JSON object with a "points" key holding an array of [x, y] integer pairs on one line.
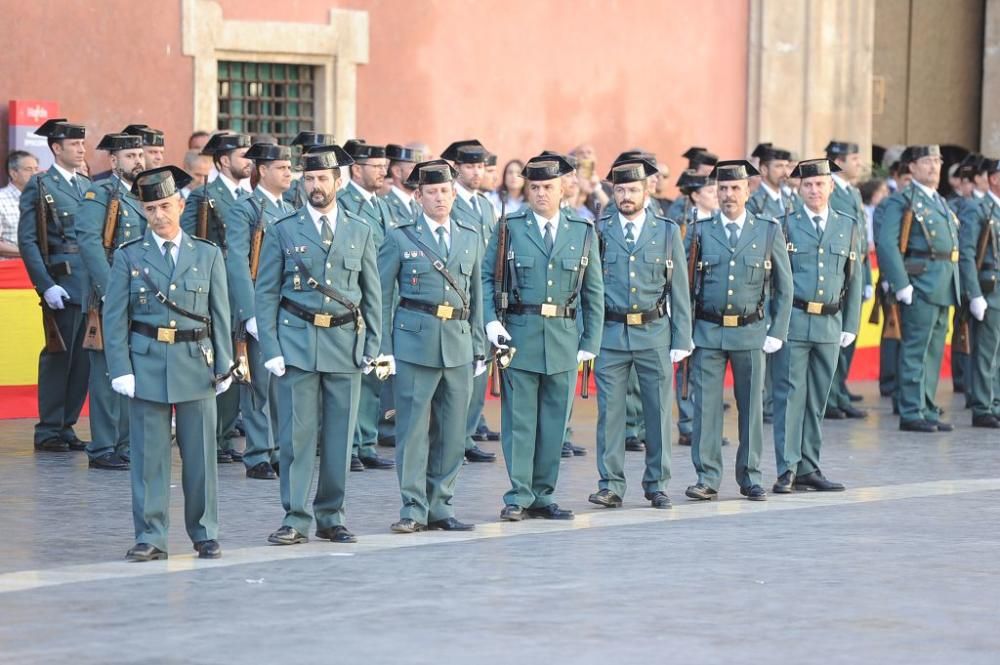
{"points": [[93, 338], [241, 367], [54, 342], [501, 300], [694, 252], [893, 328], [588, 368], [205, 207]]}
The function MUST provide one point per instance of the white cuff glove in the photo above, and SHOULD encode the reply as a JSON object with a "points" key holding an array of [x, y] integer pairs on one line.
{"points": [[276, 366], [846, 339], [978, 307], [905, 295], [869, 292], [885, 287], [223, 386], [772, 344], [494, 331], [677, 355], [54, 297], [124, 385], [583, 356], [480, 368], [252, 327], [387, 359]]}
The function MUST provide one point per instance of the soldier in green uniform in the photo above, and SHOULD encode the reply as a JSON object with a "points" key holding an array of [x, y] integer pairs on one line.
{"points": [[166, 331], [826, 314], [979, 265], [469, 158], [647, 328], [554, 269], [319, 317], [925, 283], [847, 200], [246, 223], [153, 144], [701, 161], [434, 336], [109, 434], [360, 197], [742, 303], [301, 144], [56, 271]]}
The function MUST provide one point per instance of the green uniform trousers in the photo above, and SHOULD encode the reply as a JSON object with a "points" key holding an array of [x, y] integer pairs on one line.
{"points": [[317, 408], [366, 431], [654, 373], [984, 368], [62, 379], [708, 370], [685, 410], [149, 424], [227, 406], [108, 411], [533, 415], [475, 416], [767, 396], [386, 403], [888, 362], [258, 404], [431, 408], [838, 393], [634, 426], [960, 361], [920, 354], [803, 376]]}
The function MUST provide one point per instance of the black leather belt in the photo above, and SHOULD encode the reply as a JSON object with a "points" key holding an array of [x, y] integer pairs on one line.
{"points": [[64, 248], [988, 286], [443, 312], [169, 335], [936, 256], [318, 319], [636, 318], [547, 311], [731, 320], [60, 269], [815, 307]]}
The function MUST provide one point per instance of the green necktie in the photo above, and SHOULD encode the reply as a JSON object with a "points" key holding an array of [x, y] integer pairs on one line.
{"points": [[442, 245], [475, 206], [630, 234], [818, 221], [549, 240], [327, 231], [168, 255], [734, 233]]}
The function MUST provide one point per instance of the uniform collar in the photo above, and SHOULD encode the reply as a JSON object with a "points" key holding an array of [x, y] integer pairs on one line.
{"points": [[996, 199], [840, 182], [273, 199], [931, 193], [67, 175], [770, 192], [739, 221], [464, 193], [365, 194], [228, 184], [159, 241], [403, 196]]}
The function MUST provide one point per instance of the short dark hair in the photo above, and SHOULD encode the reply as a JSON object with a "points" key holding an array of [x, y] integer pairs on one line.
{"points": [[868, 189], [15, 156]]}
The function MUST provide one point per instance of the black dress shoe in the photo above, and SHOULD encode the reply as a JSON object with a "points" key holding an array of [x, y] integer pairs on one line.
{"points": [[376, 462], [701, 492], [235, 455], [943, 426], [75, 443], [262, 471], [124, 455], [208, 549], [449, 524], [659, 500], [550, 512], [606, 498], [634, 444], [917, 426], [55, 445], [485, 434], [784, 483], [477, 454], [387, 441], [854, 397], [512, 513], [566, 450], [109, 461], [725, 441], [833, 413], [754, 493], [336, 534], [408, 526], [578, 451], [222, 457], [818, 482], [356, 464], [277, 468], [987, 420], [852, 412], [286, 535], [144, 552], [684, 440]]}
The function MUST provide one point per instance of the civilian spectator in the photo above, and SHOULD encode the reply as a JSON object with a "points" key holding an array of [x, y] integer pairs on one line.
{"points": [[21, 166], [873, 192], [198, 140], [511, 190], [198, 166]]}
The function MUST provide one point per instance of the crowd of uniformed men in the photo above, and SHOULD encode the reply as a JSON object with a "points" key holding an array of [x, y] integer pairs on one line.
{"points": [[351, 310]]}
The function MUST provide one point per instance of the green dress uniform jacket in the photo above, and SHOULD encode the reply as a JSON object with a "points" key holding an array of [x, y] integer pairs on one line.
{"points": [[402, 211], [762, 204]]}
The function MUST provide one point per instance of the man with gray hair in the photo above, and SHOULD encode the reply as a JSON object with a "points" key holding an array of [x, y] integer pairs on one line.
{"points": [[21, 166], [198, 167]]}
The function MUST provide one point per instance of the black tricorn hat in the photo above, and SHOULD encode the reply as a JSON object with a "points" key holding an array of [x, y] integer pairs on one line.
{"points": [[325, 157], [767, 152], [629, 155], [159, 183], [690, 181], [991, 166], [701, 158], [59, 128], [225, 142], [810, 168], [918, 151], [434, 172], [570, 159], [733, 169], [546, 167], [491, 159], [971, 166], [836, 149], [400, 153], [465, 152], [358, 149], [311, 139], [692, 151], [268, 152], [115, 142], [150, 137], [630, 170]]}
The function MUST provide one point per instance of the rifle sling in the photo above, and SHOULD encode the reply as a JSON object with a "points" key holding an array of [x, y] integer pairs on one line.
{"points": [[438, 264]]}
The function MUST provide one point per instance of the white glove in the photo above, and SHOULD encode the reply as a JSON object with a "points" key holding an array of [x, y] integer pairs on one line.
{"points": [[978, 307], [846, 339], [583, 356], [124, 385], [276, 366], [677, 355], [54, 297], [252, 327], [223, 386], [480, 368], [869, 292], [389, 359], [772, 344], [494, 331], [905, 295], [885, 287]]}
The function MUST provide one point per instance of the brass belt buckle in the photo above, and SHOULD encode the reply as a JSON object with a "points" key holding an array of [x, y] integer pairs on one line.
{"points": [[730, 321], [814, 308], [166, 335], [444, 312], [633, 319], [322, 320], [548, 309], [954, 256]]}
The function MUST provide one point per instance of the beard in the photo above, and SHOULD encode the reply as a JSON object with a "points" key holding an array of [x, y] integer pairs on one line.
{"points": [[320, 199]]}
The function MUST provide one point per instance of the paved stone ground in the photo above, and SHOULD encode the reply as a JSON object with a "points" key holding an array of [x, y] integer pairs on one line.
{"points": [[902, 568]]}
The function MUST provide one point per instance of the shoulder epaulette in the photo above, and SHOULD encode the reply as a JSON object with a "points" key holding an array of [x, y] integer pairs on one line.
{"points": [[523, 212], [353, 215], [464, 225], [205, 240], [292, 215], [128, 243]]}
